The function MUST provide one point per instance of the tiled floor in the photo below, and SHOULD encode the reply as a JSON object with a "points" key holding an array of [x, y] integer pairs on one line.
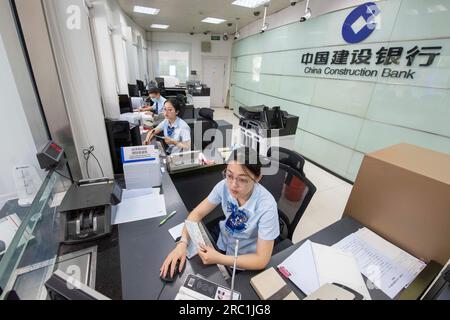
{"points": [[329, 201]]}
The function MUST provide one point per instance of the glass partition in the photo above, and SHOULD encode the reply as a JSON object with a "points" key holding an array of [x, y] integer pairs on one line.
{"points": [[31, 255]]}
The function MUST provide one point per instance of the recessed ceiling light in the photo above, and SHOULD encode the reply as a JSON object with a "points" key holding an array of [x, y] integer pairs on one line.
{"points": [[159, 26], [146, 10], [214, 20], [250, 3]]}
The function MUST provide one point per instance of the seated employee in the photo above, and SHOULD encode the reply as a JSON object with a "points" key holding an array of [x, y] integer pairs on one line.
{"points": [[158, 102], [177, 134], [251, 217]]}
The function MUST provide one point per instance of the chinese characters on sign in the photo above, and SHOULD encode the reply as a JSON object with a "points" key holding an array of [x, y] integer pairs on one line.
{"points": [[415, 57]]}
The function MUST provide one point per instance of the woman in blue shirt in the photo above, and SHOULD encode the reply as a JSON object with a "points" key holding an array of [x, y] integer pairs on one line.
{"points": [[251, 217], [177, 134], [158, 102]]}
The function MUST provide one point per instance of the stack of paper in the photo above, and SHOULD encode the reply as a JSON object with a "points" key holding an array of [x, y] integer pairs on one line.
{"points": [[388, 267], [139, 205], [313, 265]]}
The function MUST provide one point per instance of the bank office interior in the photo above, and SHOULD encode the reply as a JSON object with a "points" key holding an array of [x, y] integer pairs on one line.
{"points": [[64, 63]]}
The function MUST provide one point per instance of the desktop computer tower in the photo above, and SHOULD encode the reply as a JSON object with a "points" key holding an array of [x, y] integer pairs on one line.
{"points": [[120, 135]]}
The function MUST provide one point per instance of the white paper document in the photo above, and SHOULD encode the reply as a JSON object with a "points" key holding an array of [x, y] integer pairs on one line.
{"points": [[388, 267], [140, 208], [129, 194], [313, 265], [175, 232]]}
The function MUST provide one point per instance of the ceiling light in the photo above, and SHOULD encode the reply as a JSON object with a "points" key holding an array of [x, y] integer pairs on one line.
{"points": [[159, 26], [250, 3], [146, 10], [214, 20]]}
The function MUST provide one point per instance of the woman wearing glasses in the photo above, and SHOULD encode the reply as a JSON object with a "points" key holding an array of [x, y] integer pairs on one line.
{"points": [[177, 134], [251, 217]]}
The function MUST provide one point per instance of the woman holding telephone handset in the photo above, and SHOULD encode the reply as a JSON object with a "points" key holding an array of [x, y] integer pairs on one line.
{"points": [[177, 134]]}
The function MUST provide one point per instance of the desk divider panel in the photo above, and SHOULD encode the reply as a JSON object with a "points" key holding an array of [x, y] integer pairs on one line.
{"points": [[403, 194]]}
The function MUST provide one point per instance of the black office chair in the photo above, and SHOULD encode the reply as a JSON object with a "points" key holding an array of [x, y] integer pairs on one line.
{"points": [[292, 192], [288, 157]]}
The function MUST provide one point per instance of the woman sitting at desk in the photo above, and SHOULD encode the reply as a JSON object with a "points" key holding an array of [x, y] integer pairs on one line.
{"points": [[251, 217], [158, 102], [177, 134]]}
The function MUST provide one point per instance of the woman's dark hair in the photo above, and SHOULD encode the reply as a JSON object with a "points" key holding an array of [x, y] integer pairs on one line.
{"points": [[177, 104], [247, 157]]}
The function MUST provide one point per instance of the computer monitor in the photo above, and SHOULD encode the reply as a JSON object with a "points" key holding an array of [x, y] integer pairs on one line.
{"points": [[125, 104], [141, 87], [133, 90], [160, 81]]}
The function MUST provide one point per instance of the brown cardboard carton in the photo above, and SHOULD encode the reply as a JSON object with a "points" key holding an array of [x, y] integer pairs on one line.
{"points": [[403, 194]]}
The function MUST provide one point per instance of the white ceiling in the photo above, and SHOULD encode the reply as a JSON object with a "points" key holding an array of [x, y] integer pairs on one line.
{"points": [[186, 15]]}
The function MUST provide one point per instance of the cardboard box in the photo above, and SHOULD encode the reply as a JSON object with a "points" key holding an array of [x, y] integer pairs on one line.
{"points": [[403, 194]]}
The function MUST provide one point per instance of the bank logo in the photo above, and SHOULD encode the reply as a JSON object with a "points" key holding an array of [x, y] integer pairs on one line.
{"points": [[360, 23]]}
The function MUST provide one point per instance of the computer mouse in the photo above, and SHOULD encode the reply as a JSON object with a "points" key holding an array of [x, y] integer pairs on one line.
{"points": [[2, 246], [168, 278]]}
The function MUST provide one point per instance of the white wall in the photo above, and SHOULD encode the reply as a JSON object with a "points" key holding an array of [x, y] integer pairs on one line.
{"points": [[218, 49], [16, 140], [293, 14]]}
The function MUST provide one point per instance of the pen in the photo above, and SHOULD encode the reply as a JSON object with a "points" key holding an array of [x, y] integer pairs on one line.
{"points": [[167, 218]]}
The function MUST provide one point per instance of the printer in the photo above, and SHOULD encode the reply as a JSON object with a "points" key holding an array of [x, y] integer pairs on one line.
{"points": [[263, 119], [86, 210]]}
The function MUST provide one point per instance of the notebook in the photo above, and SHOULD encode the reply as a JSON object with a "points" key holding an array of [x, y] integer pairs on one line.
{"points": [[269, 285]]}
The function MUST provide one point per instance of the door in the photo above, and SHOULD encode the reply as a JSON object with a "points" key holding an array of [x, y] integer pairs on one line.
{"points": [[214, 76]]}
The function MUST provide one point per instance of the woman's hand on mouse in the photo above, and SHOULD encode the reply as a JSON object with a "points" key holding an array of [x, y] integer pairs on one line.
{"points": [[209, 255], [179, 253]]}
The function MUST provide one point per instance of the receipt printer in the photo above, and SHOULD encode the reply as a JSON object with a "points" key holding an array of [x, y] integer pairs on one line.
{"points": [[86, 210]]}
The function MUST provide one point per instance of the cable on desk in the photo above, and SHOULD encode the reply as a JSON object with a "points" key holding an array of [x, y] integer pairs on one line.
{"points": [[87, 153], [59, 173], [160, 293]]}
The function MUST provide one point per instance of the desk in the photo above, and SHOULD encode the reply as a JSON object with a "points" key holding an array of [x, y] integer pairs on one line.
{"points": [[327, 236], [143, 246]]}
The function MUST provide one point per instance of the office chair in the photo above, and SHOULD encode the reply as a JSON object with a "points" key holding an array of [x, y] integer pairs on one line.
{"points": [[292, 192], [288, 157], [206, 120]]}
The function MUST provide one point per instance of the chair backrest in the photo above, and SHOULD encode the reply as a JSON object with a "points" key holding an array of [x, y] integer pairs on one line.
{"points": [[292, 192], [288, 157], [206, 122]]}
